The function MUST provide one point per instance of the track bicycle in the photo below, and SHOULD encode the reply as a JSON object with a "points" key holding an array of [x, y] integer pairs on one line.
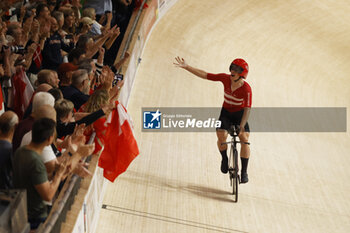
{"points": [[233, 168]]}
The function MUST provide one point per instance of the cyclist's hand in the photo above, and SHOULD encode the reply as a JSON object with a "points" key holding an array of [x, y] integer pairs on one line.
{"points": [[180, 62], [241, 130]]}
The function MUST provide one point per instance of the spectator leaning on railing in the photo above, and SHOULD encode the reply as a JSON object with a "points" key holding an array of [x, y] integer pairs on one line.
{"points": [[30, 172], [47, 156]]}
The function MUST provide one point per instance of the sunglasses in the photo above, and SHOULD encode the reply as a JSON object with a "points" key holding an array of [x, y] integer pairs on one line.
{"points": [[236, 68]]}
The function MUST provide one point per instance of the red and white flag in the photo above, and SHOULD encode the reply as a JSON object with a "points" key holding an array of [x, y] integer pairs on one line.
{"points": [[38, 57], [2, 106], [22, 93], [120, 147]]}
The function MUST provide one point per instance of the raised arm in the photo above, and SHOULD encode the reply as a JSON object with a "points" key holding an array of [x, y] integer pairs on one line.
{"points": [[110, 41], [98, 43], [180, 62]]}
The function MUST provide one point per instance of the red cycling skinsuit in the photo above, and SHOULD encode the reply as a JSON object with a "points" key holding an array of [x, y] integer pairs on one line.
{"points": [[234, 102]]}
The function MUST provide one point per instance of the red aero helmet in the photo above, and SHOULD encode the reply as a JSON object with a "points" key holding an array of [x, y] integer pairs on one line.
{"points": [[242, 64]]}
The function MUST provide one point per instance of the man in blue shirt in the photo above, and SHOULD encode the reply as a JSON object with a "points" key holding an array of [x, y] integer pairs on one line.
{"points": [[8, 122], [78, 91]]}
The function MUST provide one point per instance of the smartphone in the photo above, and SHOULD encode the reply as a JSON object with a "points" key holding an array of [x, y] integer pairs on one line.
{"points": [[117, 78]]}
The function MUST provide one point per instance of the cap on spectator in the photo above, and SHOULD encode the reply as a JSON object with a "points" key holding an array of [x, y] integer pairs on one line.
{"points": [[66, 67], [86, 21]]}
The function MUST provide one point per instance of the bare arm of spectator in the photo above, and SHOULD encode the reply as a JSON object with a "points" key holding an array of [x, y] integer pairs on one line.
{"points": [[76, 138], [3, 29], [6, 52], [81, 170], [101, 55], [114, 92], [98, 44], [76, 3], [42, 40], [28, 28], [102, 19], [106, 78], [79, 167], [121, 61], [48, 189], [74, 144], [110, 41], [35, 33], [29, 55], [22, 13], [51, 167], [109, 17], [78, 150], [2, 71], [64, 53], [44, 33], [7, 62]]}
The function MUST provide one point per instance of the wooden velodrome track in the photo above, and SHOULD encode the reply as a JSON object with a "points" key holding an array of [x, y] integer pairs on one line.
{"points": [[299, 56]]}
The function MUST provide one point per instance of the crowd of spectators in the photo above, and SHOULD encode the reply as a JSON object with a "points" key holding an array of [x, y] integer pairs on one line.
{"points": [[58, 76]]}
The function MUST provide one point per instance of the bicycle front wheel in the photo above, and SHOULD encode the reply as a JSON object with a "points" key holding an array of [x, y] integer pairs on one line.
{"points": [[235, 175]]}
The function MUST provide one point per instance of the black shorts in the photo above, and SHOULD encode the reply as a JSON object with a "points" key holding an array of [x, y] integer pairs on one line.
{"points": [[231, 118]]}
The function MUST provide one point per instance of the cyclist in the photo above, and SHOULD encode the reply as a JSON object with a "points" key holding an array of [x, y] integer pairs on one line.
{"points": [[235, 109]]}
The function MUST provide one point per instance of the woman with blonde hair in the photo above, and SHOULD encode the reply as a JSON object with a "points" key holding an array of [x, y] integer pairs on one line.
{"points": [[97, 99]]}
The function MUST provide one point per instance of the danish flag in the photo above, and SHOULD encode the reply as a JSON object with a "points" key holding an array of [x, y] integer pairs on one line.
{"points": [[2, 107], [22, 93], [38, 57]]}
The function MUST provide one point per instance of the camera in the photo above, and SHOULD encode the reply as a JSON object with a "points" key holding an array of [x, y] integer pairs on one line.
{"points": [[117, 78], [69, 36], [15, 49]]}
